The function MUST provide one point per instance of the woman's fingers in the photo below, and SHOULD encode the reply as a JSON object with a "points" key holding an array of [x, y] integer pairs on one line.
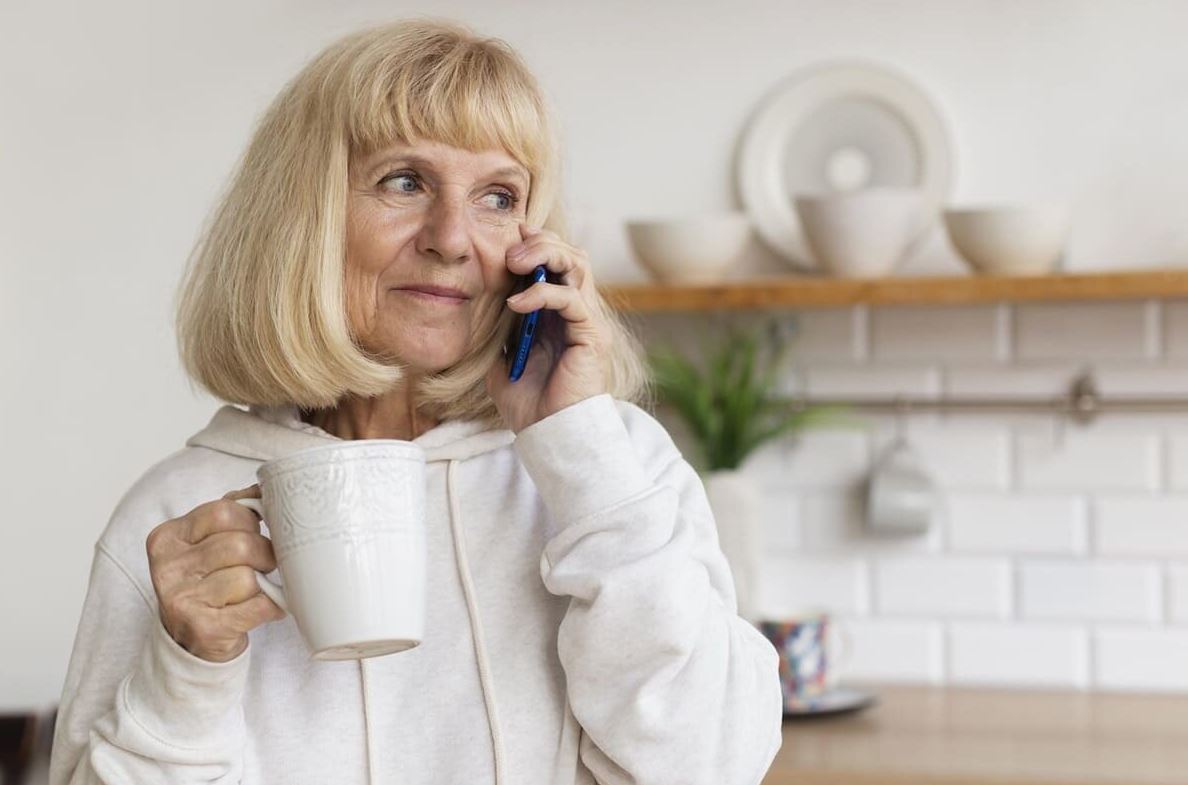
{"points": [[565, 261], [567, 301], [228, 549], [251, 492], [219, 516], [251, 613], [228, 586], [236, 594], [568, 297]]}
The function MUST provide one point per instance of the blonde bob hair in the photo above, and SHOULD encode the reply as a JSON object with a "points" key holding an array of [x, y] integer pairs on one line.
{"points": [[262, 317]]}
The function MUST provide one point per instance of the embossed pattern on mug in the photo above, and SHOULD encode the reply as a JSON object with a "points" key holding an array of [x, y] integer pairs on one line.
{"points": [[309, 507]]}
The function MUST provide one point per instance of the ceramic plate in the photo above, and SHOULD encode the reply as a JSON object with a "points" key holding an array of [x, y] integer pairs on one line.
{"points": [[835, 701], [839, 127]]}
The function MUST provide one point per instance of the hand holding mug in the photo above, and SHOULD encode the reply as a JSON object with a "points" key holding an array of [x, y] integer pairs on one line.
{"points": [[203, 567], [347, 522]]}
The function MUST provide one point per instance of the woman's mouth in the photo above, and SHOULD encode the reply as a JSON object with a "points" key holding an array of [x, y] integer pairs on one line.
{"points": [[440, 295]]}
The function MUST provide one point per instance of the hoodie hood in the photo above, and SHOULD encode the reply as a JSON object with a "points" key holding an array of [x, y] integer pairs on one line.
{"points": [[266, 432]]}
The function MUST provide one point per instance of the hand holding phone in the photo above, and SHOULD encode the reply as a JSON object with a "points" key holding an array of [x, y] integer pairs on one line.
{"points": [[576, 337]]}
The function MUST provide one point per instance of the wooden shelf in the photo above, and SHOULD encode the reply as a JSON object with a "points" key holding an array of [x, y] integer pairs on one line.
{"points": [[811, 292]]}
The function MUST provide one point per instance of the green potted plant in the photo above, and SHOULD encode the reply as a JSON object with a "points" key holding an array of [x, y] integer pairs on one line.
{"points": [[727, 397]]}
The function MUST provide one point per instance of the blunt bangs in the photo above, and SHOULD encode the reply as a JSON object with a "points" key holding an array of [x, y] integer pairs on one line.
{"points": [[466, 95]]}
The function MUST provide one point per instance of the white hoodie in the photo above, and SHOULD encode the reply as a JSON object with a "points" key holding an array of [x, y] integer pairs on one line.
{"points": [[581, 627]]}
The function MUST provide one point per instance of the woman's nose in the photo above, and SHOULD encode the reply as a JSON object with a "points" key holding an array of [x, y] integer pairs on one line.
{"points": [[446, 231]]}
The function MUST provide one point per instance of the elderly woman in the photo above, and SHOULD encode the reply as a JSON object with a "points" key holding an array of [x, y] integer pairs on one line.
{"points": [[353, 284]]}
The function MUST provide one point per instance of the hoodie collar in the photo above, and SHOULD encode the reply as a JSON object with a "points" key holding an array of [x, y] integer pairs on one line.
{"points": [[267, 432]]}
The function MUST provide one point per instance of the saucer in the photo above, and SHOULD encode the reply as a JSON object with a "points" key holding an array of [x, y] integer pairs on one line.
{"points": [[836, 701]]}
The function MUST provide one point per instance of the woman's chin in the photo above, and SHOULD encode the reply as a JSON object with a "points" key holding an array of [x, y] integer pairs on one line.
{"points": [[427, 363]]}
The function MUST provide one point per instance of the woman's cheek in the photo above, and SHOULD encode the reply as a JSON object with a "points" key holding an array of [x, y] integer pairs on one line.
{"points": [[496, 276]]}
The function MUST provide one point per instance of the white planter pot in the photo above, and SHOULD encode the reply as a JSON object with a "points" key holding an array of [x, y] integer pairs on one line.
{"points": [[737, 504]]}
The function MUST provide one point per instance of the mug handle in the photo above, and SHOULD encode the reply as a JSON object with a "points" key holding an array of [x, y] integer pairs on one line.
{"points": [[274, 591]]}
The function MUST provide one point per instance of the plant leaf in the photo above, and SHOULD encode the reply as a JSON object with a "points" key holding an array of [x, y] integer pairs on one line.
{"points": [[729, 402]]}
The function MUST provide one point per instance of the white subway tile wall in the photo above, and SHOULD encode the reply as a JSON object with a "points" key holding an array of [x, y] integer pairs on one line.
{"points": [[949, 587], [871, 381], [1021, 524], [1009, 381], [937, 333], [1059, 554], [831, 335], [1090, 591], [1033, 655], [836, 459], [836, 523], [1138, 658], [1154, 526], [794, 585], [1095, 458], [957, 456], [1175, 330], [1177, 460], [1177, 594], [1133, 379], [891, 651], [1086, 331]]}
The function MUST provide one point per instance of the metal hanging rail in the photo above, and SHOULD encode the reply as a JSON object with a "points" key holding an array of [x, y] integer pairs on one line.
{"points": [[1081, 404]]}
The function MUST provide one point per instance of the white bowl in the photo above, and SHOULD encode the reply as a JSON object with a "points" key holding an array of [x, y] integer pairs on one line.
{"points": [[690, 250], [1009, 240], [861, 234]]}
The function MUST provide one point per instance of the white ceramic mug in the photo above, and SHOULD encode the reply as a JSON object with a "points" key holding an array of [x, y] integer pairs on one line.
{"points": [[901, 497], [347, 523]]}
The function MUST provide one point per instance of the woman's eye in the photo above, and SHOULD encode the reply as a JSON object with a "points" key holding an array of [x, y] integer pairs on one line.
{"points": [[502, 200], [397, 182]]}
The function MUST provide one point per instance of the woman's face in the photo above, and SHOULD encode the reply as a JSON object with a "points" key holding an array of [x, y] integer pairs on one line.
{"points": [[428, 228]]}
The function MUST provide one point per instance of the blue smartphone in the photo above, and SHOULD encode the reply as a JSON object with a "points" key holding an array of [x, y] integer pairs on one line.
{"points": [[525, 331]]}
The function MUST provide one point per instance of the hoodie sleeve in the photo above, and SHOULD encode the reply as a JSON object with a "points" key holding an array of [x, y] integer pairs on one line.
{"points": [[136, 706], [669, 684]]}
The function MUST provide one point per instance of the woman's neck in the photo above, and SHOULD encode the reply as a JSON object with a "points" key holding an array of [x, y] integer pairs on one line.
{"points": [[392, 415]]}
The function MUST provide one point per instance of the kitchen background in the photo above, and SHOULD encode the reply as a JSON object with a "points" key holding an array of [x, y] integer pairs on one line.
{"points": [[1060, 558]]}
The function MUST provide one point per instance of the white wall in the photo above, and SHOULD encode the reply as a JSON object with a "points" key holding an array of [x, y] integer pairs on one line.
{"points": [[120, 121], [1058, 557]]}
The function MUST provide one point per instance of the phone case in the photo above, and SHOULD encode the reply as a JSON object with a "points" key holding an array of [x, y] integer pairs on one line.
{"points": [[526, 332]]}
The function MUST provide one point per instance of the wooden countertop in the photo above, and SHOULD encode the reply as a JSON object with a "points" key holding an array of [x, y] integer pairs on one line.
{"points": [[935, 736]]}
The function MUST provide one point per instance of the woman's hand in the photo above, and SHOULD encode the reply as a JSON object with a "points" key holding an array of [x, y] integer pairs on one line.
{"points": [[566, 364], [203, 567]]}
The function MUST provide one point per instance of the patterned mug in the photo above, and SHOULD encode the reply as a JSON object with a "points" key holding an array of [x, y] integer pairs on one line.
{"points": [[347, 523], [803, 643]]}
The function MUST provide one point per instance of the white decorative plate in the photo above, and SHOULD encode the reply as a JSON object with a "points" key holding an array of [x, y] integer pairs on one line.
{"points": [[839, 127]]}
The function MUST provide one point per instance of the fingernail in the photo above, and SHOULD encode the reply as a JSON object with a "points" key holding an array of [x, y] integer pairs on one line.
{"points": [[515, 297], [515, 252]]}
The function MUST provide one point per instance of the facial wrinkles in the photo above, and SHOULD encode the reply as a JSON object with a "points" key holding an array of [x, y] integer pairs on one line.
{"points": [[485, 234], [485, 227], [389, 222]]}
